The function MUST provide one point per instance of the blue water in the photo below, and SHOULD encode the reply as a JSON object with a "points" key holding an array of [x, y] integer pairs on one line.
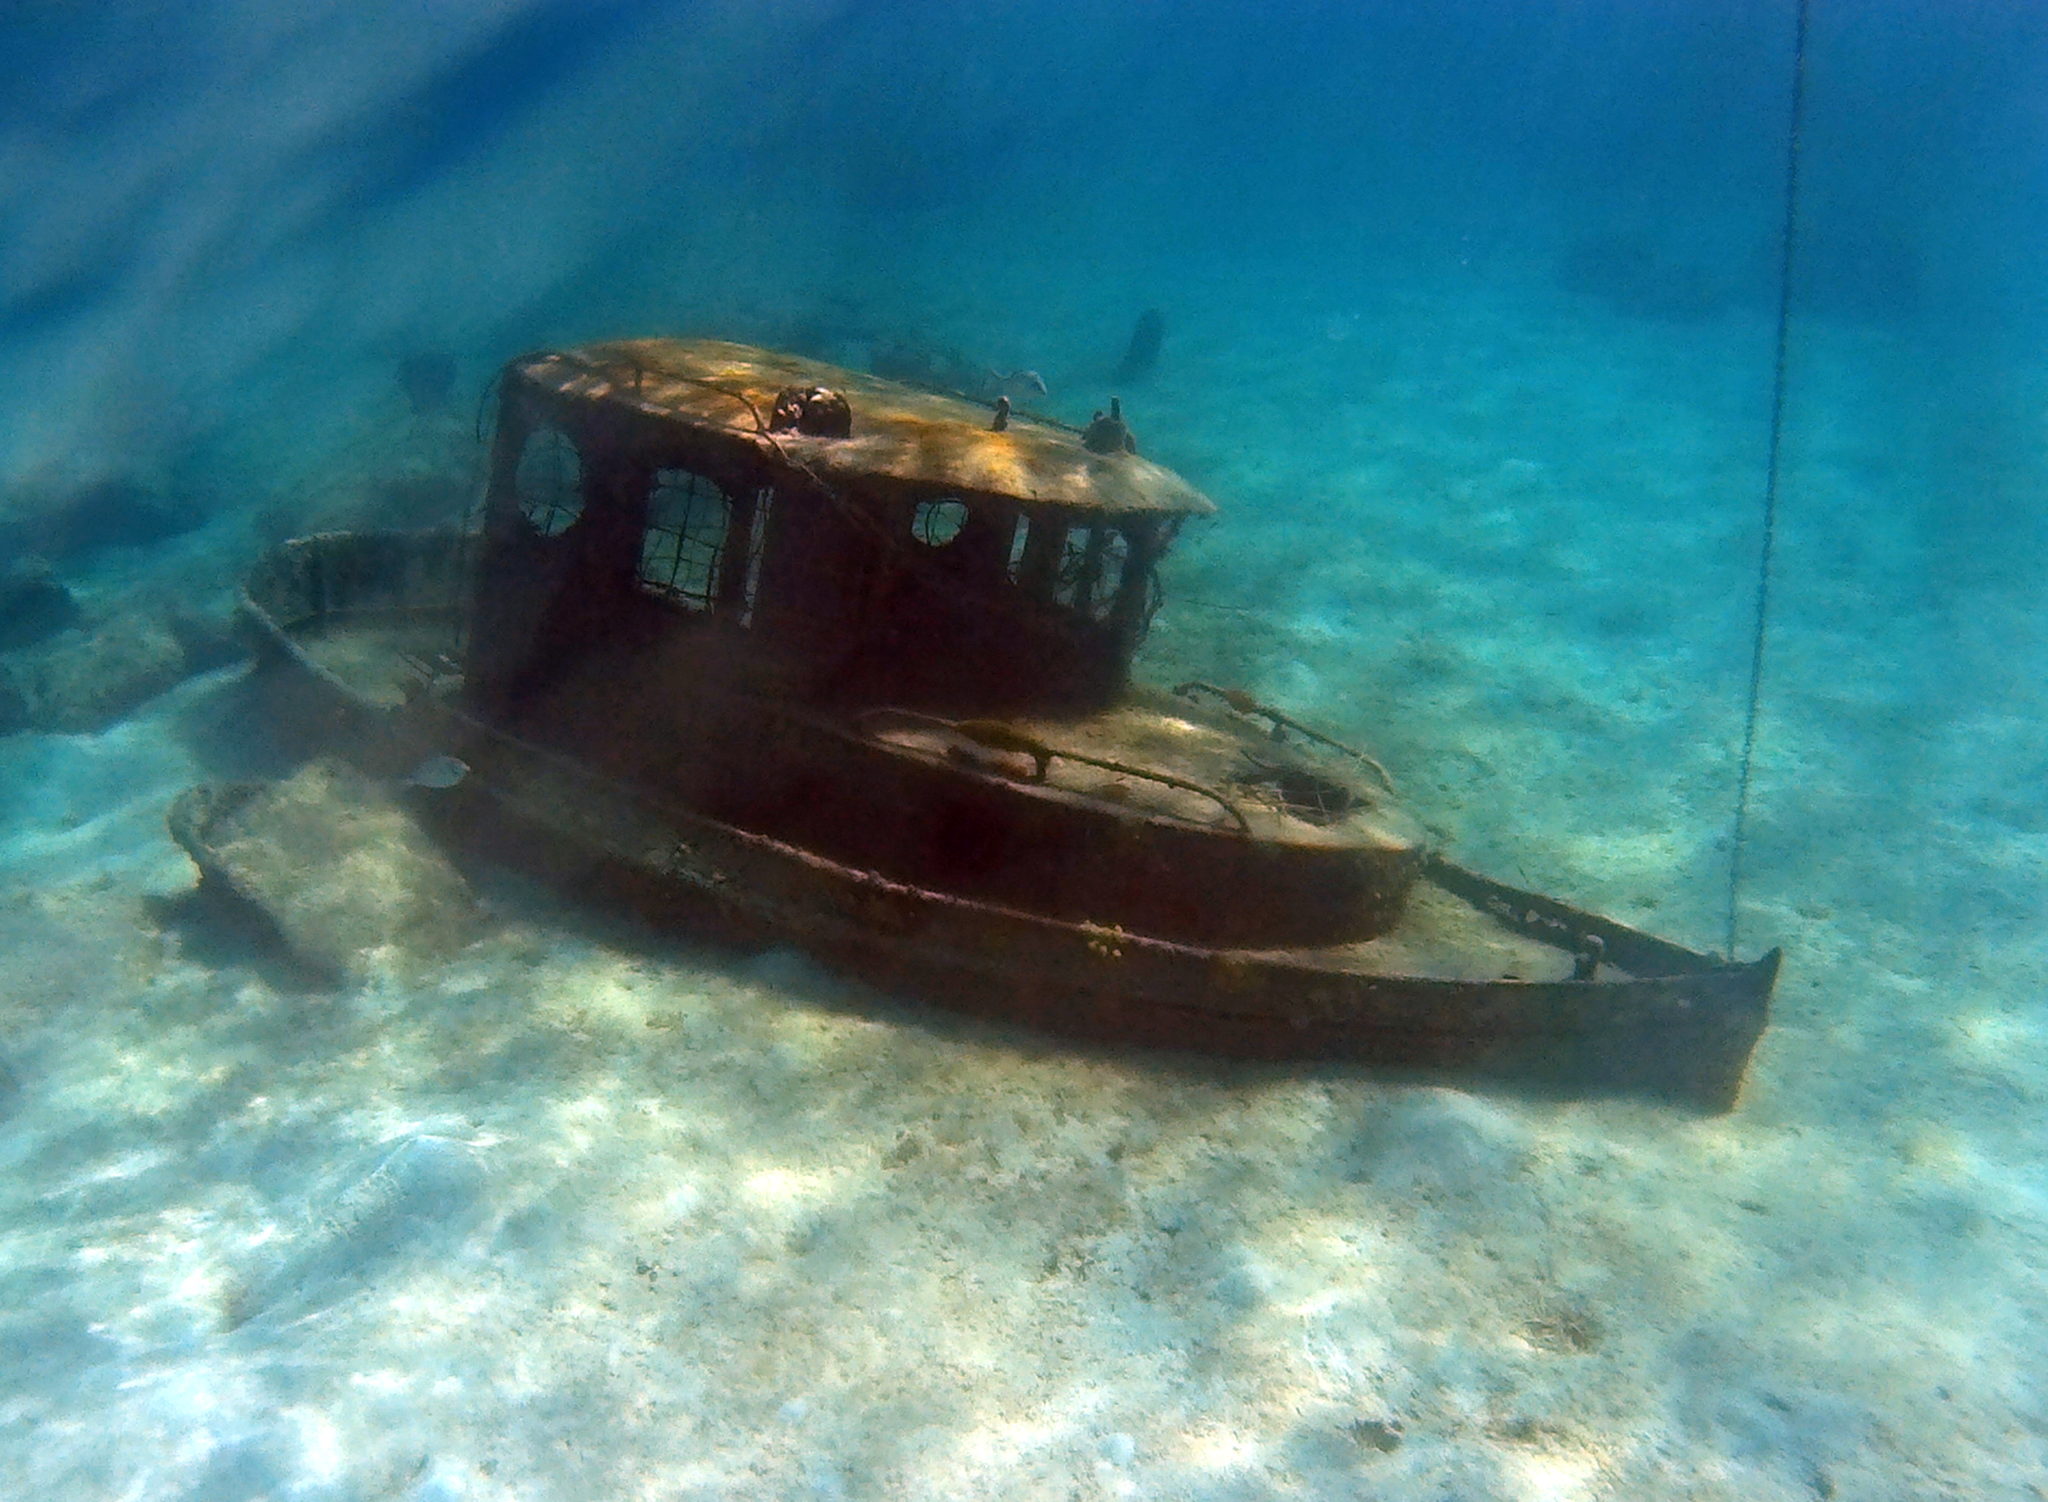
{"points": [[1470, 317]]}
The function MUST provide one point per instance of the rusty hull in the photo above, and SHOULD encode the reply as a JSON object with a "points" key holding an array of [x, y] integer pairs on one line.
{"points": [[1518, 987]]}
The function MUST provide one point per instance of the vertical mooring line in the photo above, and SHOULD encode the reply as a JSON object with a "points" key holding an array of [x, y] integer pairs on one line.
{"points": [[1787, 240]]}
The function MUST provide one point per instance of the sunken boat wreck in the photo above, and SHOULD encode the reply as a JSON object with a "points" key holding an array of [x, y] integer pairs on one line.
{"points": [[841, 662]]}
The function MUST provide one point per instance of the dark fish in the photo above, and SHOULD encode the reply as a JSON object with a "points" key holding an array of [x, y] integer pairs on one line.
{"points": [[427, 379], [1142, 353]]}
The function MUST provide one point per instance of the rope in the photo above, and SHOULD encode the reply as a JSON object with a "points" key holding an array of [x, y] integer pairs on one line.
{"points": [[1767, 548]]}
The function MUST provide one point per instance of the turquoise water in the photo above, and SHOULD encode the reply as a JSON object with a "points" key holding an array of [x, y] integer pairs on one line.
{"points": [[1469, 320]]}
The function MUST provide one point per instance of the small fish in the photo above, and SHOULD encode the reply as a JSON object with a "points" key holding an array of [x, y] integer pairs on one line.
{"points": [[1016, 384], [438, 772]]}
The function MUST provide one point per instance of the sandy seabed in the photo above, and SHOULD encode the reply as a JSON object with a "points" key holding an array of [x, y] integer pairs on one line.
{"points": [[595, 1212]]}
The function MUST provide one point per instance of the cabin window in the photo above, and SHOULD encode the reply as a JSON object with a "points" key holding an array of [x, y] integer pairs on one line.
{"points": [[549, 483], [688, 519], [936, 523], [1091, 570], [1018, 542]]}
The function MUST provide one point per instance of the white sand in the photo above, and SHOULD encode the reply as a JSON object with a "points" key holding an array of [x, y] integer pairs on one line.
{"points": [[593, 1213], [600, 1214]]}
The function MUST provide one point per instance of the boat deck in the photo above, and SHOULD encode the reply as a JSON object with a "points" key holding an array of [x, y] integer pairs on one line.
{"points": [[384, 658], [387, 658], [1440, 936], [1214, 775]]}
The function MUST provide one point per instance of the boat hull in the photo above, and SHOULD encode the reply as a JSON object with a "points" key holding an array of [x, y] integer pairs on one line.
{"points": [[1680, 1026], [1636, 1015]]}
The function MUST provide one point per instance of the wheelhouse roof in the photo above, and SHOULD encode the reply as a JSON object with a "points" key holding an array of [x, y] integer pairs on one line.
{"points": [[921, 440]]}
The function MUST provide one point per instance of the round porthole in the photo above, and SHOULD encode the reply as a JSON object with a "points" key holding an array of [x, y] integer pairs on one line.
{"points": [[938, 522]]}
